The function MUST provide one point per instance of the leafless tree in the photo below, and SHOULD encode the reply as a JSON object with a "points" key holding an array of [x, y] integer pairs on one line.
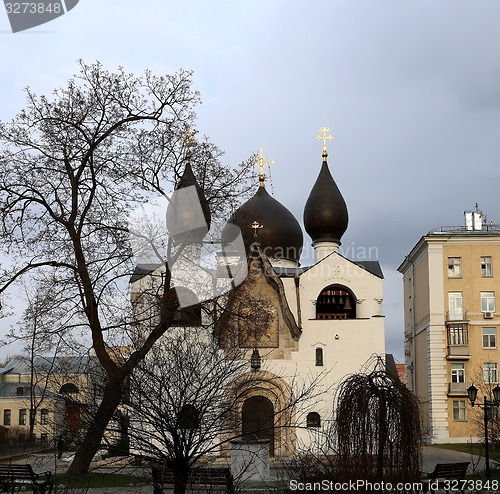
{"points": [[485, 379], [72, 166], [186, 399]]}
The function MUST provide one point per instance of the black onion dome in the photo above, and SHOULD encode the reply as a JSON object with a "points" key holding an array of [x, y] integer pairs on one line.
{"points": [[325, 213], [280, 235], [186, 222]]}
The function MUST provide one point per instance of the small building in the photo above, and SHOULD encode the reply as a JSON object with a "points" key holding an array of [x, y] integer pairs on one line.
{"points": [[50, 395]]}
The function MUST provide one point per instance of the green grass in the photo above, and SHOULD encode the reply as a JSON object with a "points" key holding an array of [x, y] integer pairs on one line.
{"points": [[98, 480], [472, 448]]}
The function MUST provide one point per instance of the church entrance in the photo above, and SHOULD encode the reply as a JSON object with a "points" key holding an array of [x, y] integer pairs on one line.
{"points": [[258, 418]]}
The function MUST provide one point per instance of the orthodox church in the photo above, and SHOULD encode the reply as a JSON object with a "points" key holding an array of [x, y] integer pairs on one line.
{"points": [[295, 324]]}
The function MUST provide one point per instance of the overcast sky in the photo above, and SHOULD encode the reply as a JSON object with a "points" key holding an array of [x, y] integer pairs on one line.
{"points": [[409, 88]]}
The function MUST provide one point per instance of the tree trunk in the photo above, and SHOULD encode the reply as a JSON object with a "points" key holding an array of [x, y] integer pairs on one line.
{"points": [[111, 398], [181, 476]]}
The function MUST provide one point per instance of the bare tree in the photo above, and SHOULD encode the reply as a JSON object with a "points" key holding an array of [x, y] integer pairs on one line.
{"points": [[485, 378], [186, 399], [71, 168]]}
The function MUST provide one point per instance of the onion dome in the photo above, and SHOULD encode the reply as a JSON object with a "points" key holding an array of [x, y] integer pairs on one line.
{"points": [[188, 212], [325, 212], [265, 221]]}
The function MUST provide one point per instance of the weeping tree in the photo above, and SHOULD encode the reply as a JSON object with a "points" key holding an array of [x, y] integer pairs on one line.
{"points": [[378, 429]]}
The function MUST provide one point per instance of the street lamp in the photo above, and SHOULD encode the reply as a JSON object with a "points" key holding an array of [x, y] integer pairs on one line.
{"points": [[472, 394], [256, 360]]}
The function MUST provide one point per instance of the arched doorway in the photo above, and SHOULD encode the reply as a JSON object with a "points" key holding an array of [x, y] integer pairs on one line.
{"points": [[257, 417]]}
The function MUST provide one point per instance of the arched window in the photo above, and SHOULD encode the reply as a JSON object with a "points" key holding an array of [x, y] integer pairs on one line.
{"points": [[189, 417], [336, 302], [188, 316], [190, 313], [313, 420], [319, 356], [68, 388]]}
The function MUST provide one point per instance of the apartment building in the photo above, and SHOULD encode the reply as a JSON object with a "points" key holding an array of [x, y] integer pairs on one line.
{"points": [[451, 320]]}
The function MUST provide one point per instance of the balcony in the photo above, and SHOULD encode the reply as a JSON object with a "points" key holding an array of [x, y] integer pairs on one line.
{"points": [[458, 389], [456, 316], [458, 340], [458, 352]]}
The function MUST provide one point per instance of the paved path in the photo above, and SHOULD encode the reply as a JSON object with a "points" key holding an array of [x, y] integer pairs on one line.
{"points": [[431, 456]]}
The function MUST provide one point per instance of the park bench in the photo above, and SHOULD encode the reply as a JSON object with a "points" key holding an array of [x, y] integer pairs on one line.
{"points": [[12, 476], [443, 474], [201, 479]]}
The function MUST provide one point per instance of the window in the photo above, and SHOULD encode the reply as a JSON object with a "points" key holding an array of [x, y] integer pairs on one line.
{"points": [[20, 391], [44, 416], [457, 373], [487, 301], [489, 338], [454, 267], [456, 307], [336, 302], [68, 388], [22, 416], [486, 267], [459, 410], [6, 417], [313, 420], [490, 372], [319, 356]]}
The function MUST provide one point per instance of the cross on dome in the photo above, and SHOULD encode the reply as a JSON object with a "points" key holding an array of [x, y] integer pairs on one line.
{"points": [[255, 225], [189, 141], [325, 130], [262, 162]]}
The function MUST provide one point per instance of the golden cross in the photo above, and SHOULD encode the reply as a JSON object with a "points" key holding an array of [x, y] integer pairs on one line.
{"points": [[189, 140], [262, 163], [255, 225], [324, 137]]}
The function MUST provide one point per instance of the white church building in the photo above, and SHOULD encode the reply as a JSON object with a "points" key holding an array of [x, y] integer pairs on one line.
{"points": [[293, 323]]}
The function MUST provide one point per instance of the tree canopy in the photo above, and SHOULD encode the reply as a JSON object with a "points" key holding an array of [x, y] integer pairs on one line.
{"points": [[72, 166]]}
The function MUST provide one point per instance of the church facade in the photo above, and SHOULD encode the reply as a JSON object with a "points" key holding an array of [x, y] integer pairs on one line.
{"points": [[295, 325]]}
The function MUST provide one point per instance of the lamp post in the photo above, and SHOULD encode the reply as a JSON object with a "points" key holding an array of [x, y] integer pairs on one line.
{"points": [[487, 404]]}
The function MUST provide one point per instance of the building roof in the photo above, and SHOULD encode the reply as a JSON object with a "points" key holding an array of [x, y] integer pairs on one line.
{"points": [[372, 267], [486, 229], [142, 270], [61, 365], [9, 390]]}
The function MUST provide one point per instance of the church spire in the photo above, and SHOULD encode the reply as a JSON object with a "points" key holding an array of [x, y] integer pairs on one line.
{"points": [[188, 211], [325, 212]]}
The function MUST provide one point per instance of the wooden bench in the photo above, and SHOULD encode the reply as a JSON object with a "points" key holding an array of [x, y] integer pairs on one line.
{"points": [[205, 479], [12, 476], [444, 472]]}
